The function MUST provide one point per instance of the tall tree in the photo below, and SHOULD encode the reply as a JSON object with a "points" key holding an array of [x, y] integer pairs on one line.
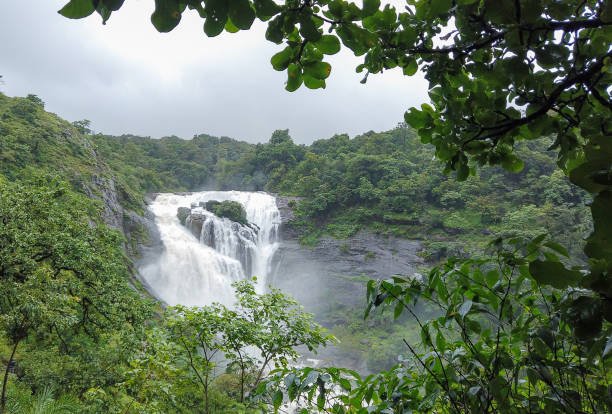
{"points": [[259, 333], [61, 273]]}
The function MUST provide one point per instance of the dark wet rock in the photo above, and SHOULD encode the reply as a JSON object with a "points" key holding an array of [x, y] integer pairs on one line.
{"points": [[336, 271], [142, 234], [330, 279], [182, 213], [103, 188], [194, 222], [286, 206]]}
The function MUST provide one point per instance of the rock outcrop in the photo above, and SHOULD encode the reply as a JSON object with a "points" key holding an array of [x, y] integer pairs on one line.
{"points": [[285, 207], [336, 271]]}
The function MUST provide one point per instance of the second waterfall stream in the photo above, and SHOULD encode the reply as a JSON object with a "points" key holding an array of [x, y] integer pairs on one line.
{"points": [[202, 257]]}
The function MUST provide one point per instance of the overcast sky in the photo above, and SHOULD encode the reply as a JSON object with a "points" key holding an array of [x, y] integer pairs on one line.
{"points": [[127, 78]]}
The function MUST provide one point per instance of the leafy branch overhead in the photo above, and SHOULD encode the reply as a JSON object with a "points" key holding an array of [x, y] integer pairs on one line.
{"points": [[498, 70]]}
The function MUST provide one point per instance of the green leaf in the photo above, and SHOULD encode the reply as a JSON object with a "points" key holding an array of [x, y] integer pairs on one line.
{"points": [[274, 32], [281, 60], [308, 28], [425, 336], [241, 13], [345, 384], [415, 118], [321, 399], [277, 399], [266, 8], [318, 70], [399, 308], [77, 9], [104, 12], [540, 347], [553, 274], [438, 7], [313, 83], [440, 342], [465, 308], [294, 77], [585, 313], [113, 5], [213, 27], [328, 44], [557, 248], [356, 38], [463, 172], [513, 164], [230, 27], [311, 377], [166, 16], [599, 243], [406, 37], [370, 7], [410, 68], [216, 17]]}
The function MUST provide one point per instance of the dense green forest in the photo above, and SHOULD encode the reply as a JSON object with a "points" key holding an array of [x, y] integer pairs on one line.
{"points": [[388, 182], [505, 174]]}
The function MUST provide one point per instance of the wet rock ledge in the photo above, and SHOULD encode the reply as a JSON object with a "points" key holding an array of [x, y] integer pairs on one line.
{"points": [[336, 271]]}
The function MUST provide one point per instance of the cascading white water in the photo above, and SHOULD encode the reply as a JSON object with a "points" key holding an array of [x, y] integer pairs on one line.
{"points": [[198, 271]]}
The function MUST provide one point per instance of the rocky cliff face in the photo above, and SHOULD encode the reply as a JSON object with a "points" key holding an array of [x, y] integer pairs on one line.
{"points": [[336, 271], [285, 207], [140, 232]]}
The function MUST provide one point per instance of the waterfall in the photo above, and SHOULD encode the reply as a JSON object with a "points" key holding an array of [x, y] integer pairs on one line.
{"points": [[202, 258]]}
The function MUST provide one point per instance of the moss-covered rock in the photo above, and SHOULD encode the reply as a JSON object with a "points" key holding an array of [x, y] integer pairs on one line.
{"points": [[232, 210], [182, 214], [210, 205]]}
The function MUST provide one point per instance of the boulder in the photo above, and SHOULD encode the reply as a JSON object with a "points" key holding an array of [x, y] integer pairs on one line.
{"points": [[182, 214]]}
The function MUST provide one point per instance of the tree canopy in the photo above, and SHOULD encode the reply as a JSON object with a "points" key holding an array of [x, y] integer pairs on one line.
{"points": [[188, 354], [61, 276]]}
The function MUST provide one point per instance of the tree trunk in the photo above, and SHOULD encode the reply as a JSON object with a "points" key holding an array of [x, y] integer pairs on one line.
{"points": [[206, 402], [260, 373], [242, 383], [5, 380]]}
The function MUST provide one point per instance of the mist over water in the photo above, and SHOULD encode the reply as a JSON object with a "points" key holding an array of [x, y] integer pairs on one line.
{"points": [[196, 271]]}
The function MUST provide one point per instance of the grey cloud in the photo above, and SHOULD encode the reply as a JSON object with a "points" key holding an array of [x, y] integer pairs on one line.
{"points": [[126, 78]]}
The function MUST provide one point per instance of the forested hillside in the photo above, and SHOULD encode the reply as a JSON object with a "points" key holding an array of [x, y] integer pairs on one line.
{"points": [[388, 182], [68, 302], [170, 163]]}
